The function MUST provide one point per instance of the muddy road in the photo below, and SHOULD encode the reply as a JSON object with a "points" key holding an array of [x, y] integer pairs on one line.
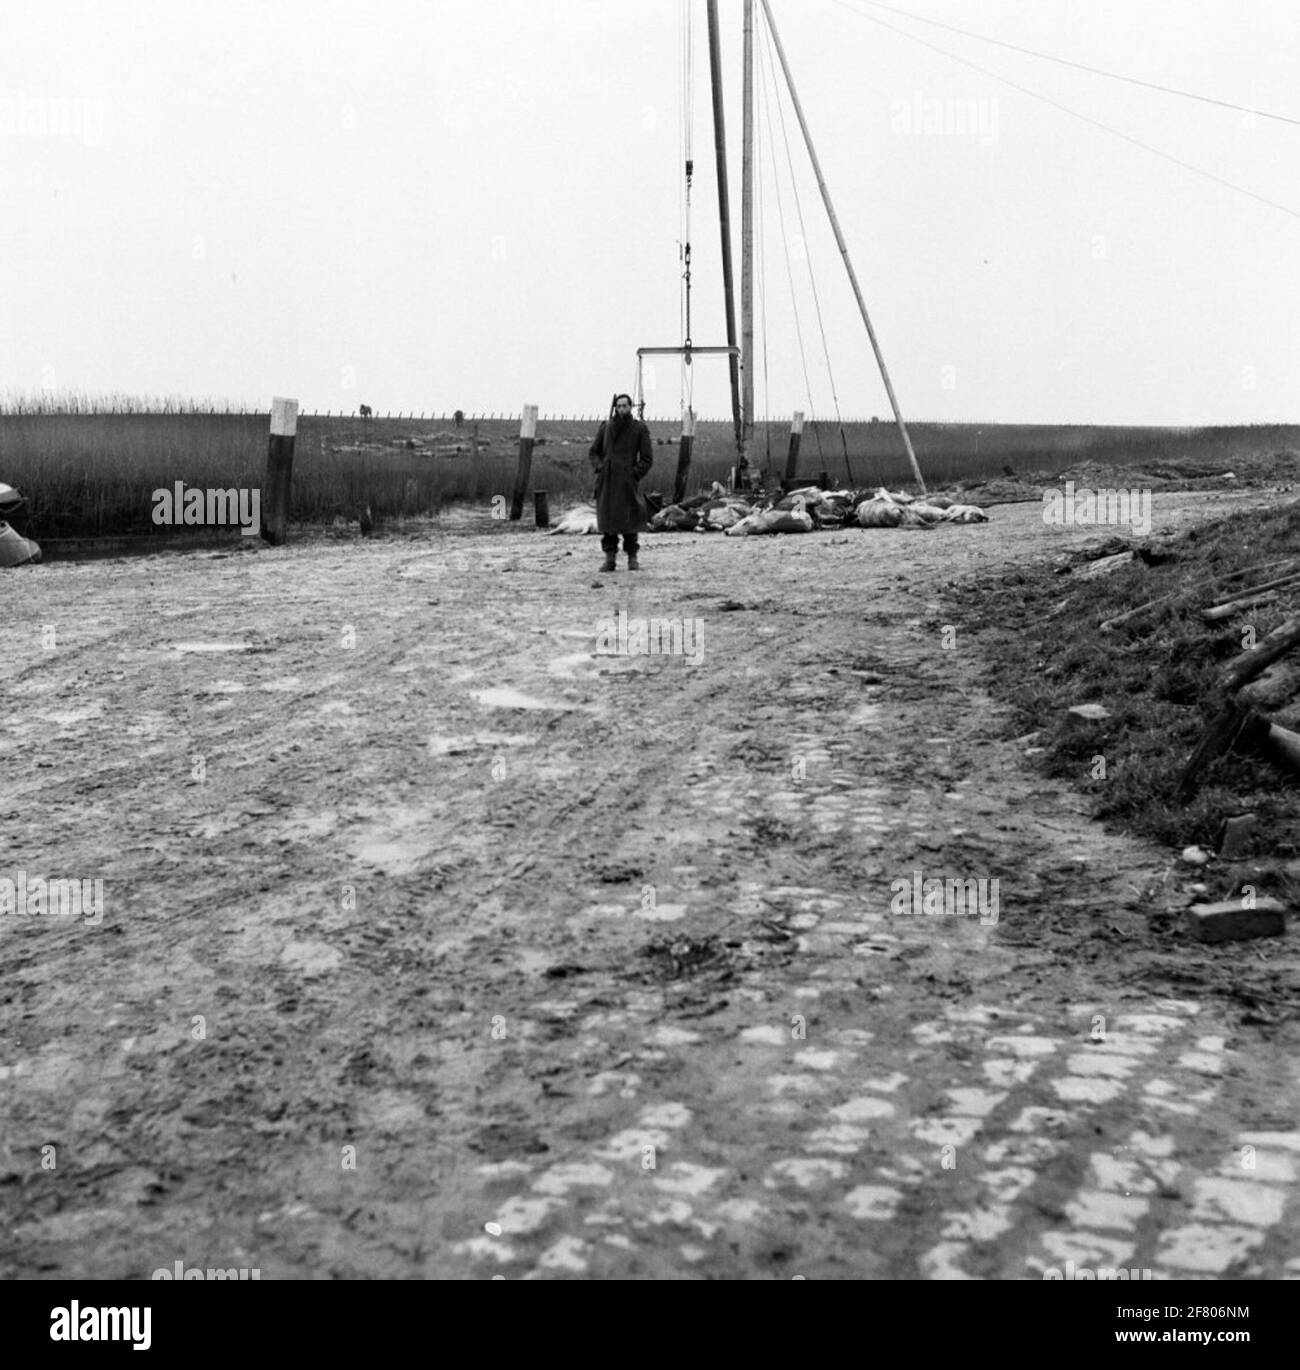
{"points": [[437, 942]]}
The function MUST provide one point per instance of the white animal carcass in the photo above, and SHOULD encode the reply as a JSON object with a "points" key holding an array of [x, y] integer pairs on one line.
{"points": [[579, 520], [964, 513]]}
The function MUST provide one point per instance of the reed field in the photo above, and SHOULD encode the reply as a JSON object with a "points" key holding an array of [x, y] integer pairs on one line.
{"points": [[89, 469]]}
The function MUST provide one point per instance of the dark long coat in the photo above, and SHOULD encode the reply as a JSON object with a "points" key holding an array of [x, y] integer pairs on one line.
{"points": [[620, 461]]}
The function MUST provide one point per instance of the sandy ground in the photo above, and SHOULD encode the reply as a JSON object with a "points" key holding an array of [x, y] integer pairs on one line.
{"points": [[437, 943]]}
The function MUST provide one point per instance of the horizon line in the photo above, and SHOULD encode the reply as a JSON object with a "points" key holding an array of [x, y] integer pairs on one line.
{"points": [[506, 416]]}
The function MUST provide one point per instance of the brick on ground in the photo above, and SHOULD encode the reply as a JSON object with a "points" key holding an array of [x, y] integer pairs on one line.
{"points": [[1237, 833], [1229, 921]]}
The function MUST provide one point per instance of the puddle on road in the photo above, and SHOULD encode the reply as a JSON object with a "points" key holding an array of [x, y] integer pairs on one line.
{"points": [[311, 958], [503, 697], [579, 664], [397, 856], [65, 718], [401, 839], [301, 826]]}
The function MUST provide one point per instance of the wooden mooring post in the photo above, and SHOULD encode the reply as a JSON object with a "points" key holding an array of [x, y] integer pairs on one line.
{"points": [[527, 436], [541, 509], [796, 437], [279, 470], [684, 456]]}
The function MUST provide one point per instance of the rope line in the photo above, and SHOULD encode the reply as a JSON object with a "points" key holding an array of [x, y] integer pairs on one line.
{"points": [[1074, 113], [812, 280], [761, 252], [780, 209], [1081, 66]]}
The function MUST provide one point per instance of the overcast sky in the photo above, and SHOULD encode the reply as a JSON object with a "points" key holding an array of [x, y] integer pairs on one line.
{"points": [[474, 204]]}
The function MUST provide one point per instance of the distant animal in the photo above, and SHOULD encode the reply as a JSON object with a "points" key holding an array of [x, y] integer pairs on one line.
{"points": [[367, 412]]}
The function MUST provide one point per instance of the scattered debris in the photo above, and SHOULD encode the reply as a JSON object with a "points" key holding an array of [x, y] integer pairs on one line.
{"points": [[1195, 856], [1105, 566], [1239, 726], [1089, 711], [1237, 833], [1167, 599], [1274, 688], [1230, 921]]}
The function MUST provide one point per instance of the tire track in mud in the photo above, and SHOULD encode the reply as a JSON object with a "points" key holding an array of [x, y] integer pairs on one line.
{"points": [[572, 1188]]}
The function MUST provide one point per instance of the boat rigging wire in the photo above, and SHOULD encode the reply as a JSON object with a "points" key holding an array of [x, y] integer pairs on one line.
{"points": [[762, 287], [780, 209]]}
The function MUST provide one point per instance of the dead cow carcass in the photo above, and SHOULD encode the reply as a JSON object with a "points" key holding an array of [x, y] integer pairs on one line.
{"points": [[579, 520], [15, 550], [772, 521]]}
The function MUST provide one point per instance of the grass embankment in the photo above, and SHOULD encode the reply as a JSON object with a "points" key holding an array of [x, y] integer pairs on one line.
{"points": [[1157, 675]]}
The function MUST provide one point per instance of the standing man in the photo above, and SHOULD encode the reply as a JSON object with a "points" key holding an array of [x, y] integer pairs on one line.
{"points": [[621, 456]]}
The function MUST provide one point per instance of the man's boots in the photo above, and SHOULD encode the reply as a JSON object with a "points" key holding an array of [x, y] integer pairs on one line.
{"points": [[609, 562], [632, 563]]}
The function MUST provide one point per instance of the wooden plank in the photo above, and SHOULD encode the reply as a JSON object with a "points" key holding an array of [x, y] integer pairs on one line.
{"points": [[1237, 727], [1110, 623], [1284, 746], [1276, 645], [1235, 606], [1255, 595]]}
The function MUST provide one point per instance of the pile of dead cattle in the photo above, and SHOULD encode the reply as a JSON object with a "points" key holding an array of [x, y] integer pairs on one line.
{"points": [[15, 550], [800, 511], [803, 510]]}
